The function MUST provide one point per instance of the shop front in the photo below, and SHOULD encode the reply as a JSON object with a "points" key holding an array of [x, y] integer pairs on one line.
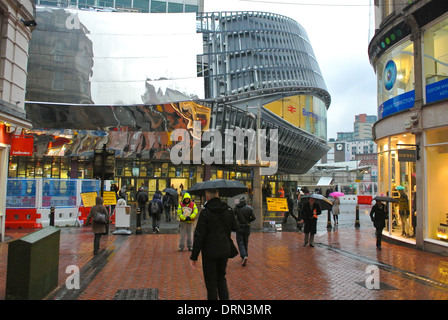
{"points": [[412, 135]]}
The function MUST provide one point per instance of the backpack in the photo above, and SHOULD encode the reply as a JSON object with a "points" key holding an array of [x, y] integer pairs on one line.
{"points": [[153, 208]]}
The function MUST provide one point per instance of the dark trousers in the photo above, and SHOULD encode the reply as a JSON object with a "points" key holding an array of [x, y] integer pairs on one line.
{"points": [[379, 236], [96, 243], [242, 238], [215, 278]]}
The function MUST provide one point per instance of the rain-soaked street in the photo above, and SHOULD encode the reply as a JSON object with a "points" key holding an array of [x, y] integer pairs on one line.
{"points": [[343, 265]]}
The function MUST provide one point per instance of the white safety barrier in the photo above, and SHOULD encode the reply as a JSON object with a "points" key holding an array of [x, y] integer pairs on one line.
{"points": [[349, 199], [63, 217]]}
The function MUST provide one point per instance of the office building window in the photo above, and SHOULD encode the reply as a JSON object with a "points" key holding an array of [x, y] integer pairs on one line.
{"points": [[158, 6]]}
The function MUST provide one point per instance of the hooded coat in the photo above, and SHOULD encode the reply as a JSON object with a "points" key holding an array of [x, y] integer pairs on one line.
{"points": [[98, 207], [183, 205], [212, 235]]}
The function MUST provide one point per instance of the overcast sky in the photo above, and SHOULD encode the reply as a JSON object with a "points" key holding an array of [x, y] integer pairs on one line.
{"points": [[339, 34]]}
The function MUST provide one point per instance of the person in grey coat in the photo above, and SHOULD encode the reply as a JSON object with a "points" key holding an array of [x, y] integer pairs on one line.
{"points": [[244, 215], [97, 228]]}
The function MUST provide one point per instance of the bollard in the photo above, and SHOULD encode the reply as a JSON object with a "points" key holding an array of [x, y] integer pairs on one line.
{"points": [[52, 216], [139, 222], [357, 217], [329, 220]]}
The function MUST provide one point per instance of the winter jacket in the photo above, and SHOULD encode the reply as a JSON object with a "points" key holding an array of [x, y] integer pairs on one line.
{"points": [[183, 217], [98, 207], [378, 215], [212, 235], [244, 214], [156, 199]]}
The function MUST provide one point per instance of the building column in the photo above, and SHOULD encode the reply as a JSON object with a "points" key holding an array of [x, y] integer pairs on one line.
{"points": [[416, 121]]}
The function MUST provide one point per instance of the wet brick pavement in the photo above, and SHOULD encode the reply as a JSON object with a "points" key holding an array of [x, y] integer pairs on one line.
{"points": [[279, 267]]}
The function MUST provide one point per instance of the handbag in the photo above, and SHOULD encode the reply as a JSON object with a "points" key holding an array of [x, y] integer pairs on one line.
{"points": [[99, 218]]}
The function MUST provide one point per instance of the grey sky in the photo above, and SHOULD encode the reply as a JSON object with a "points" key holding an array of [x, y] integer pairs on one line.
{"points": [[339, 34]]}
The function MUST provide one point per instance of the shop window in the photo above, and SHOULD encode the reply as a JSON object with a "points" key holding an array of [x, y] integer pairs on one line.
{"points": [[396, 173], [436, 61], [395, 73], [437, 183]]}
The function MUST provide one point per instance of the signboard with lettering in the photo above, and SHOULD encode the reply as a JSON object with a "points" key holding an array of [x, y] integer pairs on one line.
{"points": [[88, 198], [406, 155], [22, 145], [277, 204]]}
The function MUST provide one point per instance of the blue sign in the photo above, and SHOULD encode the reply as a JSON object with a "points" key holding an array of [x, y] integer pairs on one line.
{"points": [[396, 104], [437, 91]]}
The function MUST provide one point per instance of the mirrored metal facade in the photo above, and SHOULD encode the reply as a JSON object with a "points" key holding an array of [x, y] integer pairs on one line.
{"points": [[110, 71]]}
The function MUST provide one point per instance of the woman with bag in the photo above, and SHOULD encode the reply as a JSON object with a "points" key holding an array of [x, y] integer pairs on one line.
{"points": [[100, 218]]}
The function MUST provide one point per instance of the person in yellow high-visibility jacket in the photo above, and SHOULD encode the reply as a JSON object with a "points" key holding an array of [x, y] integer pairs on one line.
{"points": [[187, 212]]}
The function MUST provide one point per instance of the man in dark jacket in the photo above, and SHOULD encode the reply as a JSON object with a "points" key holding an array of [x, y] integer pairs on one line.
{"points": [[378, 215], [311, 210], [212, 239], [142, 199], [244, 216]]}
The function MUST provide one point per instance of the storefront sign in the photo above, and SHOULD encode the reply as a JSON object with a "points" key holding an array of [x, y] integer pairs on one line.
{"points": [[406, 155], [396, 104], [442, 232], [22, 145], [437, 91]]}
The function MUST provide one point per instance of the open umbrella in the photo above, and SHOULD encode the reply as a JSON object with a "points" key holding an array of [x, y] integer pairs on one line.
{"points": [[226, 188], [170, 191], [385, 199], [336, 194], [324, 203]]}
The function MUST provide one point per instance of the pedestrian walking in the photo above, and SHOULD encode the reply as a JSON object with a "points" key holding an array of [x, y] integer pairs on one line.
{"points": [[336, 210], [155, 208], [167, 201], [212, 239], [403, 207], [244, 215], [187, 212], [100, 217], [142, 200], [378, 215], [310, 211]]}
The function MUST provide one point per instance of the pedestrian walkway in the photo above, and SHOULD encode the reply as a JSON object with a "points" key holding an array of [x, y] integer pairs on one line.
{"points": [[149, 266]]}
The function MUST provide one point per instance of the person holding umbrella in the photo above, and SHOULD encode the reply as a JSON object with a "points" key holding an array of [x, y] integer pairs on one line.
{"points": [[311, 210], [378, 215], [212, 239]]}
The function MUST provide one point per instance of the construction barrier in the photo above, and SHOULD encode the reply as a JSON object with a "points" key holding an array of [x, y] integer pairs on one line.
{"points": [[63, 217], [348, 199], [23, 218], [365, 200]]}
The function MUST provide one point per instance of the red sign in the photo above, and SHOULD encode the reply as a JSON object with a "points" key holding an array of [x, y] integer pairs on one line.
{"points": [[22, 145]]}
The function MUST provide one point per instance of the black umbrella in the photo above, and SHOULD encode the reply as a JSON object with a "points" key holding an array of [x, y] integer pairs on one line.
{"points": [[323, 202], [385, 199], [226, 188], [170, 191]]}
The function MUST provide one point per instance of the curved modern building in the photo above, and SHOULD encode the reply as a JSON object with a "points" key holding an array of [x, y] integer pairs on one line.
{"points": [[129, 80], [409, 53]]}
